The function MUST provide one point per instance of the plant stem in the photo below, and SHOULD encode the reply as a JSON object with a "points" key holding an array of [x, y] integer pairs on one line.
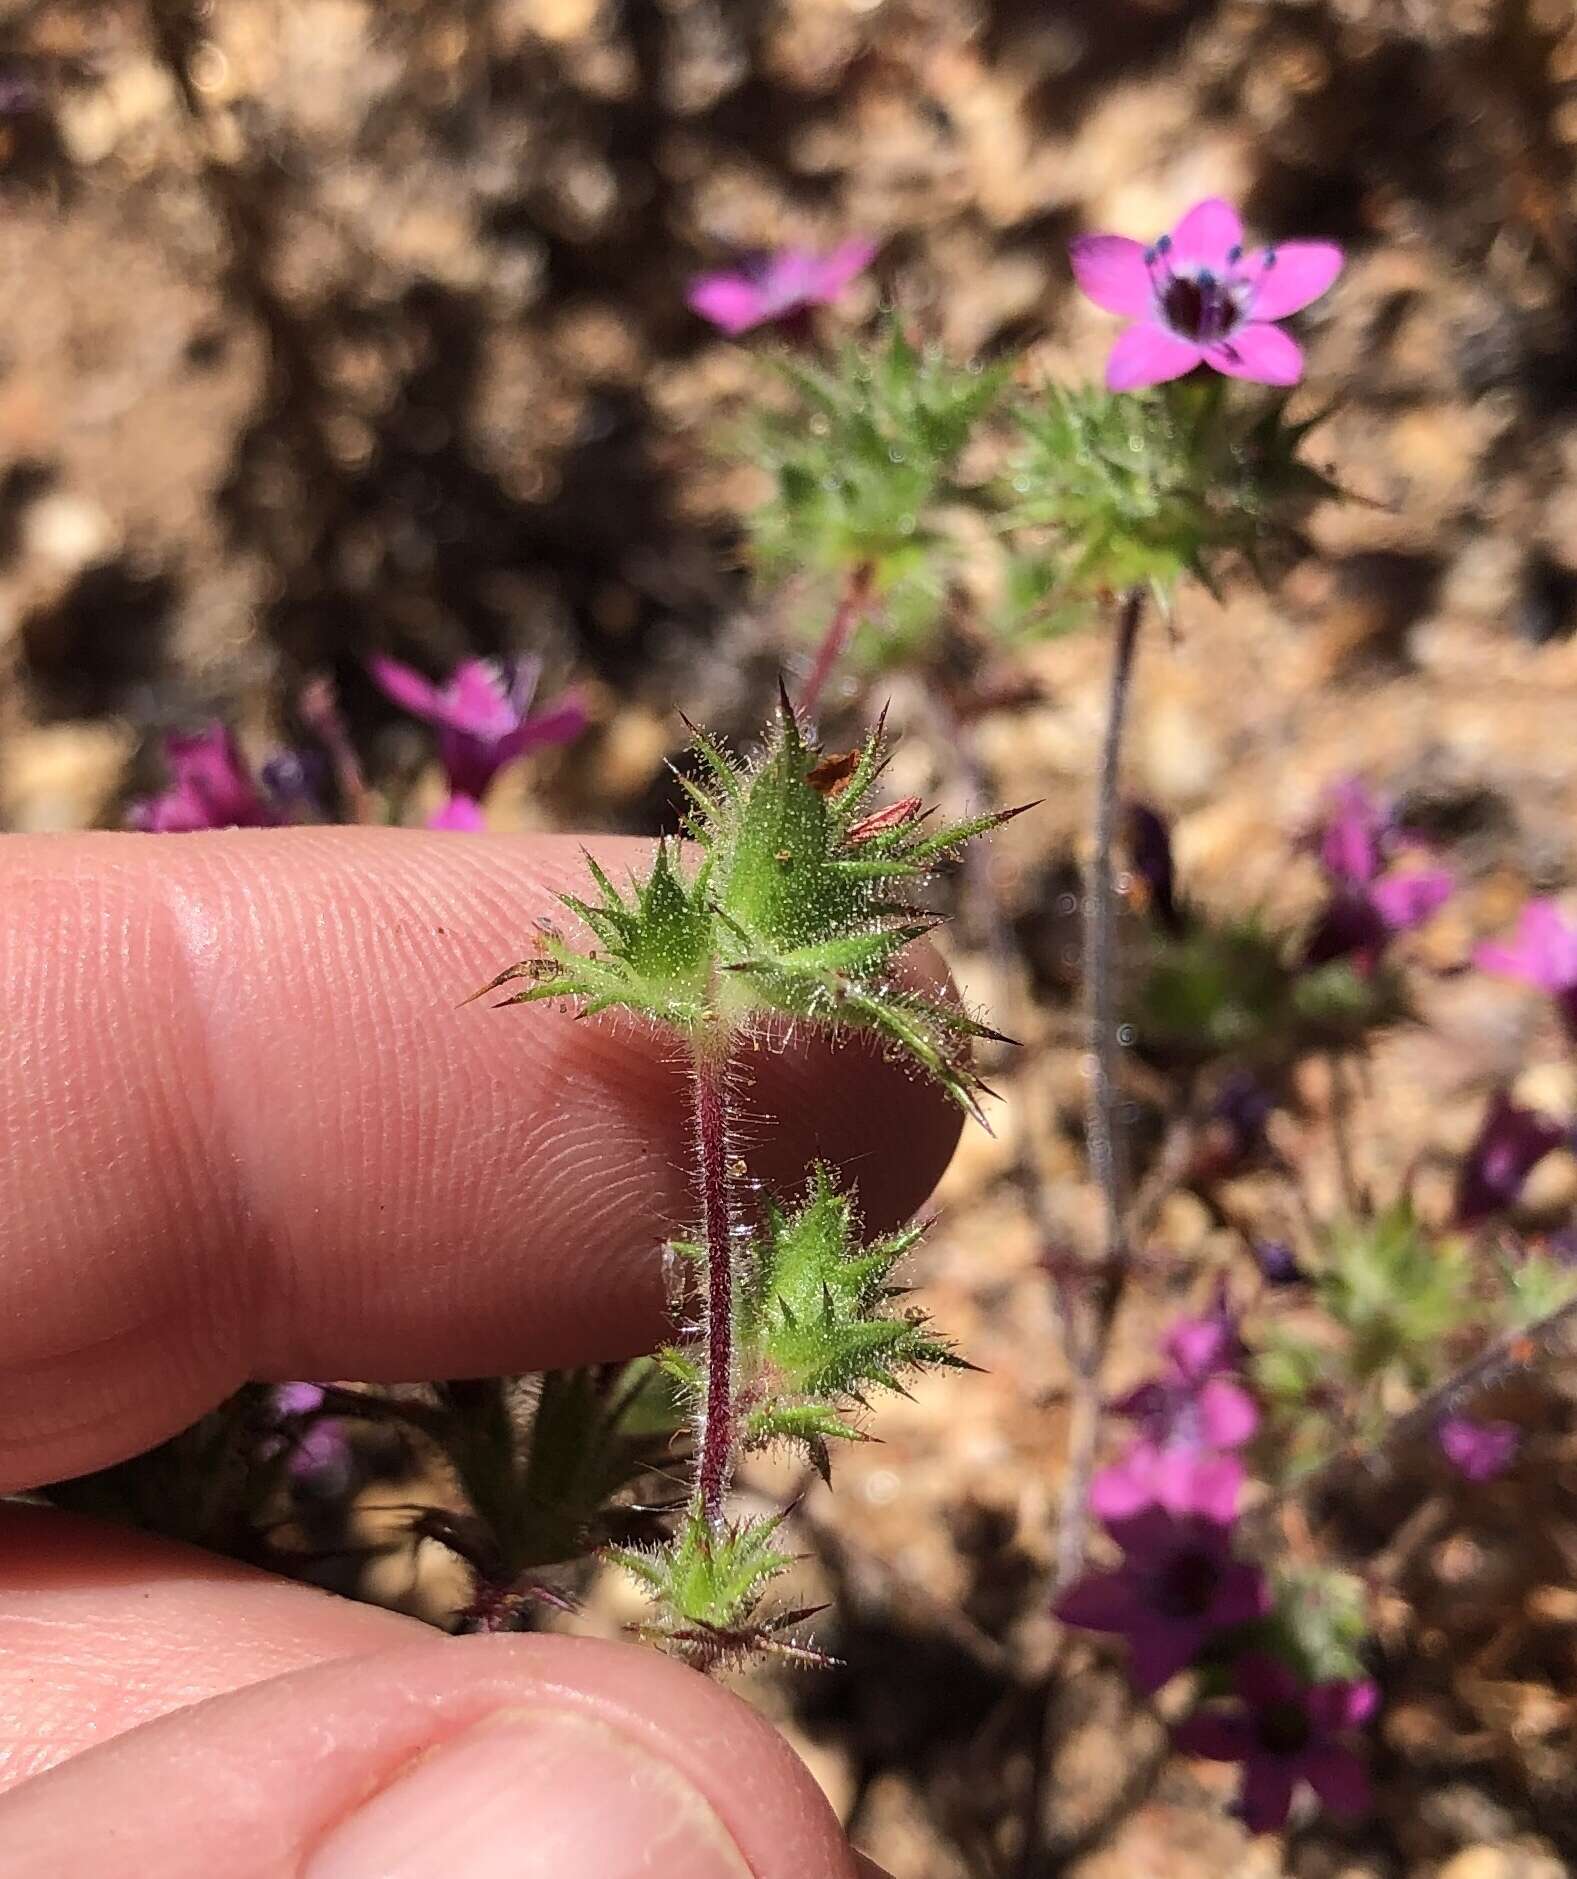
{"points": [[709, 1077], [1104, 1145], [852, 603], [1514, 1350]]}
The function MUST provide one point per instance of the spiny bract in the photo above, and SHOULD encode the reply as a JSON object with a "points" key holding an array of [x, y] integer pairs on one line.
{"points": [[796, 908], [816, 1325]]}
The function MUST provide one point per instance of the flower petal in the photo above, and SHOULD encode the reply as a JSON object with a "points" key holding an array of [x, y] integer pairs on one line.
{"points": [[461, 814], [1242, 1596], [406, 687], [1111, 271], [1267, 1795], [1214, 1489], [1407, 899], [1104, 1602], [477, 701], [1207, 235], [848, 260], [1260, 352], [1158, 1649], [1287, 277], [1542, 952], [1228, 1415], [1335, 1706], [1149, 355], [558, 723], [1338, 1778], [730, 301], [1118, 1492]]}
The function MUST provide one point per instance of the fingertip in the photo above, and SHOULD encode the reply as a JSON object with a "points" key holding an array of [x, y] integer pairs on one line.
{"points": [[475, 1757], [249, 1135]]}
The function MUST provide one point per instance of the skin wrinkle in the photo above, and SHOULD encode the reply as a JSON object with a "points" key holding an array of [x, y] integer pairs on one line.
{"points": [[74, 1379], [368, 1181]]}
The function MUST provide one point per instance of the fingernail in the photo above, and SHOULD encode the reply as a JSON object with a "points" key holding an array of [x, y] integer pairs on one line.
{"points": [[528, 1794]]}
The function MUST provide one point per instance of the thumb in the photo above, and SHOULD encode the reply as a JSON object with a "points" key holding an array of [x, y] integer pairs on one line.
{"points": [[472, 1758]]}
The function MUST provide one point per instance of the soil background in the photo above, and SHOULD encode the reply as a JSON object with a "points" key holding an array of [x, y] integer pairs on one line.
{"points": [[329, 327]]}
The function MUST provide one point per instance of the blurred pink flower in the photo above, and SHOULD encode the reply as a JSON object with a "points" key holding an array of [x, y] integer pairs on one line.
{"points": [[210, 787], [1480, 1450], [1285, 1732], [1372, 899], [777, 286], [1541, 953], [1197, 299], [483, 715], [1177, 1477], [460, 814], [1177, 1588]]}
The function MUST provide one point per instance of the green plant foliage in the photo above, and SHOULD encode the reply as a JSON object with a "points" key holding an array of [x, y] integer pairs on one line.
{"points": [[1320, 1621], [1235, 989], [1141, 488], [863, 454], [1398, 1291], [817, 1326], [797, 907], [1535, 1286], [707, 1585]]}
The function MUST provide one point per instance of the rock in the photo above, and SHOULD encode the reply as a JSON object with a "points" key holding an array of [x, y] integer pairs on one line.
{"points": [[61, 776], [1502, 1862], [68, 530]]}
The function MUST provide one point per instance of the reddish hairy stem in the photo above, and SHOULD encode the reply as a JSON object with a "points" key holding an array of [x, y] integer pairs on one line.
{"points": [[852, 603], [709, 1075]]}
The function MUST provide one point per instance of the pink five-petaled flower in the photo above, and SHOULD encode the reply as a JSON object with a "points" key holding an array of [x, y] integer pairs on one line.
{"points": [[1286, 1732], [1479, 1450], [1196, 298], [1541, 953], [210, 787], [484, 720], [1177, 1588], [1372, 900], [1190, 1418], [778, 286]]}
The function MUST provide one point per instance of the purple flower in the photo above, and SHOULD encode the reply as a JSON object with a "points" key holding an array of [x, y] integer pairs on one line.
{"points": [[1180, 1478], [1371, 900], [1196, 298], [461, 814], [1481, 1450], [296, 1399], [1510, 1144], [1542, 953], [1194, 1402], [1189, 1418], [1177, 1587], [1286, 1732], [318, 1453], [777, 286], [1278, 1263], [210, 787], [296, 782], [483, 715]]}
